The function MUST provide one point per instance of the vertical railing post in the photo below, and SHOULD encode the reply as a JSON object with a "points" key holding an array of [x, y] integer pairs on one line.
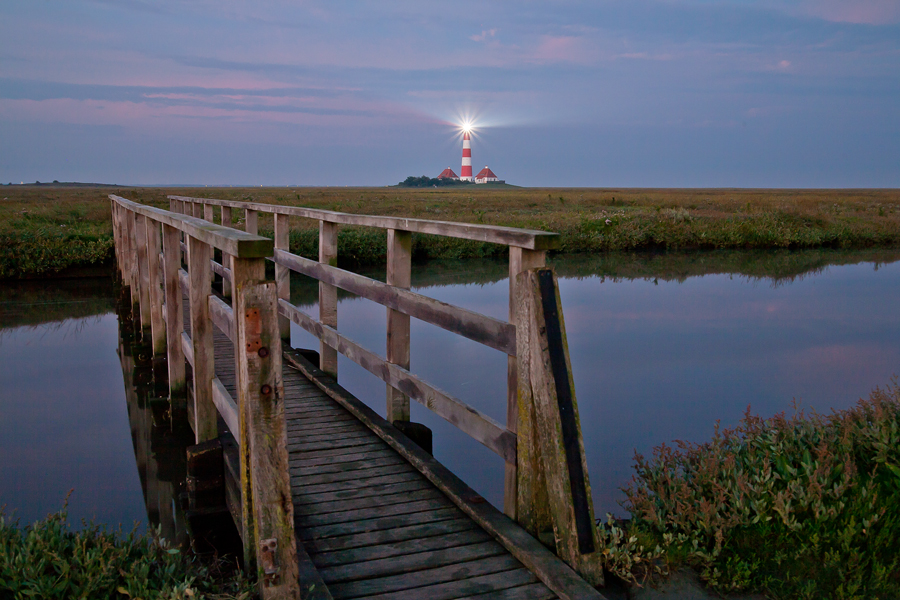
{"points": [[263, 430], [157, 324], [550, 444], [520, 260], [140, 239], [174, 311], [197, 210], [328, 360], [208, 212], [251, 221], [399, 267], [133, 276], [282, 273], [199, 254], [226, 258]]}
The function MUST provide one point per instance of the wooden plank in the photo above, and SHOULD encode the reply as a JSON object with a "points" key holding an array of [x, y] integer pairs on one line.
{"points": [[371, 502], [409, 563], [519, 260], [380, 512], [473, 422], [157, 322], [262, 392], [334, 428], [187, 348], [220, 270], [558, 576], [303, 436], [399, 267], [208, 212], [328, 361], [251, 222], [313, 459], [353, 484], [143, 263], [390, 536], [422, 578], [174, 311], [514, 584], [222, 316], [184, 281], [226, 407], [371, 491], [304, 472], [298, 483], [202, 340], [474, 326], [342, 529], [300, 445], [232, 241], [509, 236], [282, 273], [227, 284]]}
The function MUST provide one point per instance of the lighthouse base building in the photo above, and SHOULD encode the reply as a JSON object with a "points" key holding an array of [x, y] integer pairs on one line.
{"points": [[487, 176]]}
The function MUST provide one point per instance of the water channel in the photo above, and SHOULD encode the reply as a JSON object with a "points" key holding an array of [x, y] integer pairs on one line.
{"points": [[663, 346]]}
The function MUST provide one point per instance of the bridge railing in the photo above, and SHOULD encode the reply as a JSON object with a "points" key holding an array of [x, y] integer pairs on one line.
{"points": [[527, 250], [149, 249]]}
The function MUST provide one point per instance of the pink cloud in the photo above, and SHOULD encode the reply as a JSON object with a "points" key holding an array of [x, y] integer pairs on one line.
{"points": [[563, 48], [870, 12]]}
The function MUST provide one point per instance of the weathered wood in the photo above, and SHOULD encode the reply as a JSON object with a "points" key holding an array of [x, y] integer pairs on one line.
{"points": [[391, 536], [228, 240], [414, 546], [370, 492], [262, 392], [220, 270], [157, 324], [226, 258], [251, 221], [282, 273], [226, 407], [305, 472], [187, 349], [201, 339], [399, 268], [208, 212], [133, 273], [328, 296], [352, 484], [140, 231], [184, 281], [474, 326], [554, 419], [222, 316], [517, 584], [358, 475], [519, 260], [378, 524], [478, 425], [422, 578], [558, 576], [174, 311], [509, 236]]}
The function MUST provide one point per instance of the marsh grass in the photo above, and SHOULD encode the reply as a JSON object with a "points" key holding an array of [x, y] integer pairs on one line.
{"points": [[806, 506], [48, 560], [45, 230]]}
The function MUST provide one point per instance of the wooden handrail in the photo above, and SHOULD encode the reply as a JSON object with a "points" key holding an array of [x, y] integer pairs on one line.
{"points": [[474, 326], [234, 242], [529, 239]]}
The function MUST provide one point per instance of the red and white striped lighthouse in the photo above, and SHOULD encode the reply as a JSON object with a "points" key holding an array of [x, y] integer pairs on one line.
{"points": [[465, 174]]}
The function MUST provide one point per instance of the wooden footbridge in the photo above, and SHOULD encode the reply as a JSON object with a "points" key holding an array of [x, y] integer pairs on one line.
{"points": [[330, 499]]}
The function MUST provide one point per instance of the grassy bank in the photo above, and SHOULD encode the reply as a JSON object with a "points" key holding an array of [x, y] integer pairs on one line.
{"points": [[794, 507], [47, 229], [50, 561]]}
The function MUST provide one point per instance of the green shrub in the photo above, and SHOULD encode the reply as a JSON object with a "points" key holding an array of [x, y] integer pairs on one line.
{"points": [[801, 507], [49, 561]]}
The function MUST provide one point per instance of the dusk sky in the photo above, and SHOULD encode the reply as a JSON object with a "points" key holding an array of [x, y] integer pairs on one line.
{"points": [[639, 93]]}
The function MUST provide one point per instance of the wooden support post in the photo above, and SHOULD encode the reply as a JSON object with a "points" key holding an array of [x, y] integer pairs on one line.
{"points": [[226, 258], [197, 210], [199, 255], [174, 311], [282, 273], [520, 260], [261, 391], [131, 257], [208, 212], [246, 272], [143, 265], [399, 266], [251, 221], [173, 205], [157, 324], [328, 361], [548, 417]]}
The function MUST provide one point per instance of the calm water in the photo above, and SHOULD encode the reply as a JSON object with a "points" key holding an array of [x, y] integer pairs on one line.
{"points": [[661, 346]]}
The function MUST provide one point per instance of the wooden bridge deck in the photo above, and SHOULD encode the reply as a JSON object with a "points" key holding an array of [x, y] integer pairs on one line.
{"points": [[372, 525]]}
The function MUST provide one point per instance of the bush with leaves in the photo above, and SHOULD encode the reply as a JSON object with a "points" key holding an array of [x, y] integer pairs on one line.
{"points": [[801, 507], [49, 561]]}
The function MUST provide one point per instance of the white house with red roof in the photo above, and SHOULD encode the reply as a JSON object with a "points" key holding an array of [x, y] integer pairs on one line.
{"points": [[448, 174], [486, 176]]}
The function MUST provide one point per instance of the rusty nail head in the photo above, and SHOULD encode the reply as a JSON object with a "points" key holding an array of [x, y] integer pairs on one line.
{"points": [[266, 389], [263, 352]]}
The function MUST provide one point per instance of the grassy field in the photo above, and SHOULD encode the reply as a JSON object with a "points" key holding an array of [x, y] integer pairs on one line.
{"points": [[50, 229]]}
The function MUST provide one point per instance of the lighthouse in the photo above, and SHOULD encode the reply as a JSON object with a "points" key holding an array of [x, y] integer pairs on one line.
{"points": [[465, 174]]}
